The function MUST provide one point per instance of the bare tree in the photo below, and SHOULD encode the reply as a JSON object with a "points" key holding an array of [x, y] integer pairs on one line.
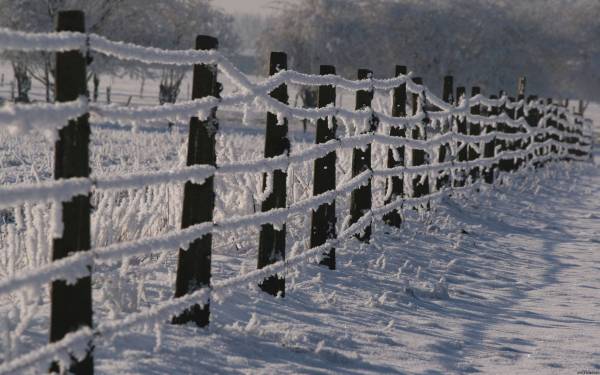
{"points": [[484, 42]]}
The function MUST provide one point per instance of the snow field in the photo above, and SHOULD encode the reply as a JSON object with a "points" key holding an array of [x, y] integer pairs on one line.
{"points": [[425, 299], [142, 281]]}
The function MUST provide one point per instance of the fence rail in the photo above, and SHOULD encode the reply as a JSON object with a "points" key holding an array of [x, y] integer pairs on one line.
{"points": [[464, 143]]}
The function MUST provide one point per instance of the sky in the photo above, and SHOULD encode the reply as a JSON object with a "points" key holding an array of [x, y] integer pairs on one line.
{"points": [[245, 6]]}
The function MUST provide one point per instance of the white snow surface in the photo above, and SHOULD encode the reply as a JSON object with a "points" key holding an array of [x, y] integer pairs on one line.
{"points": [[504, 281]]}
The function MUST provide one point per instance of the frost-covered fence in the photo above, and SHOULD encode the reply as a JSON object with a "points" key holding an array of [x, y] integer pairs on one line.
{"points": [[446, 145]]}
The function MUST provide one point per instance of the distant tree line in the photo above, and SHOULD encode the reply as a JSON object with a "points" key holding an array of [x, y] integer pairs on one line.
{"points": [[484, 42], [555, 43]]}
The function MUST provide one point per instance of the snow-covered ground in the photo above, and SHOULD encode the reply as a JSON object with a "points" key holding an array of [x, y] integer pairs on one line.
{"points": [[501, 281]]}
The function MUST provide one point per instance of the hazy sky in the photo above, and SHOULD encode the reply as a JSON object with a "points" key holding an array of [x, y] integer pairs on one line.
{"points": [[245, 6]]}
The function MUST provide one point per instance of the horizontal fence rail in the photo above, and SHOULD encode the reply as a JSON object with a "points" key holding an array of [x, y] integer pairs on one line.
{"points": [[460, 143]]}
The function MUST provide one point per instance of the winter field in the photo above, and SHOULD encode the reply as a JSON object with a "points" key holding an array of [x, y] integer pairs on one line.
{"points": [[497, 280]]}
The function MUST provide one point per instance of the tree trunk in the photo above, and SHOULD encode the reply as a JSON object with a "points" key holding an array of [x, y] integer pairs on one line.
{"points": [[23, 82], [47, 80]]}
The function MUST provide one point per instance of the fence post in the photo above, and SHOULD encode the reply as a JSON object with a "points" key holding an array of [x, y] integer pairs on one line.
{"points": [[474, 129], [581, 140], [489, 150], [394, 218], [71, 304], [360, 198], [571, 137], [420, 189], [532, 118], [271, 241], [551, 123], [463, 153], [323, 218], [512, 145], [568, 139], [504, 165], [194, 264], [560, 127], [539, 138], [585, 140], [563, 149], [520, 113], [444, 180], [557, 127], [576, 136]]}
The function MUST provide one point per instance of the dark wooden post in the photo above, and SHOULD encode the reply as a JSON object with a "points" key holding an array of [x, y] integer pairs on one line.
{"points": [[512, 145], [576, 137], [579, 139], [393, 218], [489, 150], [474, 129], [463, 153], [504, 165], [563, 148], [557, 126], [323, 219], [419, 157], [532, 118], [271, 242], [194, 264], [360, 199], [71, 304], [571, 140], [443, 181], [520, 113], [551, 123], [541, 137], [566, 140]]}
